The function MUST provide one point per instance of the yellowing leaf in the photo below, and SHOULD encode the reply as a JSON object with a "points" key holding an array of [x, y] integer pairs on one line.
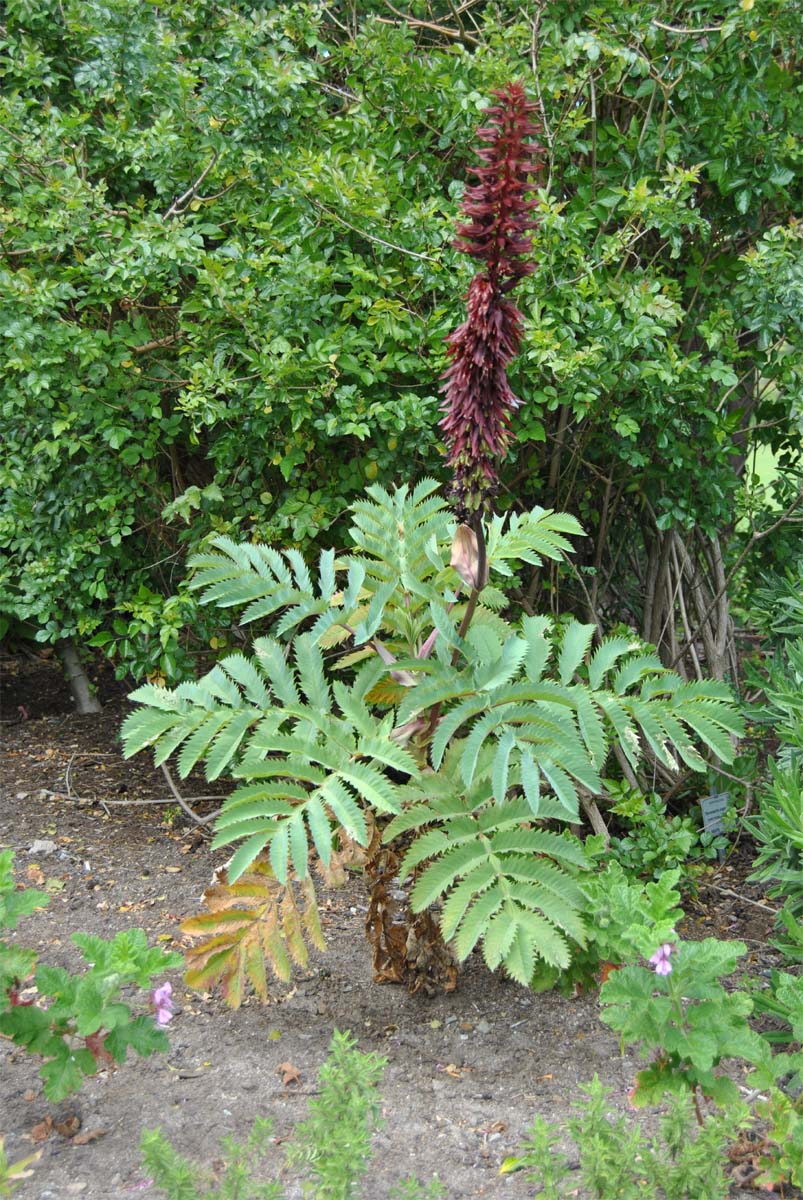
{"points": [[253, 925], [509, 1165]]}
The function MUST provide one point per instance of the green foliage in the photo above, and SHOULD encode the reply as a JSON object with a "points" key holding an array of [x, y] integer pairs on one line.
{"points": [[617, 1159], [15, 904], [12, 1174], [783, 1161], [504, 884], [626, 917], [686, 1020], [776, 607], [149, 635], [778, 831], [179, 1179], [226, 276], [781, 710], [790, 941], [334, 1143], [16, 962], [777, 827], [85, 1006], [441, 720], [782, 999], [653, 842], [331, 1149]]}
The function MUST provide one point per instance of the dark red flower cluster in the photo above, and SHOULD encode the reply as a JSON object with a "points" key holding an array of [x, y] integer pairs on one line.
{"points": [[479, 399]]}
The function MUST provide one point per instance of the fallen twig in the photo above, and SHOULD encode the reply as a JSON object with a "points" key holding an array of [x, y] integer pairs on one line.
{"points": [[747, 900], [139, 803]]}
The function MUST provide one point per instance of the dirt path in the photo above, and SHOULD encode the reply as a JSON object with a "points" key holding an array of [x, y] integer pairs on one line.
{"points": [[466, 1073]]}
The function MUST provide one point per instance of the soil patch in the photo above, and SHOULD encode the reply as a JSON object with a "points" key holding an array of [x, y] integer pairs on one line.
{"points": [[466, 1072]]}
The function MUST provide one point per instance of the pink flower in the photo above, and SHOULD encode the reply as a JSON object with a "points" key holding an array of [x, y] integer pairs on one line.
{"points": [[660, 960], [162, 1003]]}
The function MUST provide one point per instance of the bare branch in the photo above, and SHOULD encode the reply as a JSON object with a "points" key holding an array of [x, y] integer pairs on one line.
{"points": [[369, 236], [458, 35], [757, 537], [157, 344], [181, 801], [683, 29], [178, 206]]}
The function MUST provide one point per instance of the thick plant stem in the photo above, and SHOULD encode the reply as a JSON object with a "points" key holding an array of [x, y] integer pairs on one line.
{"points": [[482, 567], [85, 699]]}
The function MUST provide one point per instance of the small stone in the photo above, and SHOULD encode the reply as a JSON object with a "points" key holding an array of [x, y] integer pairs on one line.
{"points": [[79, 1186], [42, 846], [483, 1027]]}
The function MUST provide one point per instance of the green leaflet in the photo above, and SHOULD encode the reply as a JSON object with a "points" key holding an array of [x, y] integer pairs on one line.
{"points": [[144, 727], [197, 743], [478, 879], [244, 672], [499, 671], [535, 630], [273, 662], [311, 677], [501, 764], [575, 643], [605, 657], [228, 741], [441, 874]]}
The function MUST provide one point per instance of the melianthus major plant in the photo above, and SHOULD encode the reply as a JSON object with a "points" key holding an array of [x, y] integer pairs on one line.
{"points": [[396, 706]]}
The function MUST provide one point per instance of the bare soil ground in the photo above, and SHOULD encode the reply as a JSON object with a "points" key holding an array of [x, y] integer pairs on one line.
{"points": [[466, 1072]]}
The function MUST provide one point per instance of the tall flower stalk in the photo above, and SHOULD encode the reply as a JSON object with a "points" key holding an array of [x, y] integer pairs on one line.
{"points": [[479, 400]]}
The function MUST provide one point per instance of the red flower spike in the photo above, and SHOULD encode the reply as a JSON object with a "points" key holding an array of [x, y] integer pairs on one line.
{"points": [[479, 399]]}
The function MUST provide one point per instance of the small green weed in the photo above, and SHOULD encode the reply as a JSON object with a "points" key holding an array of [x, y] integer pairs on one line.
{"points": [[618, 1160], [331, 1149]]}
